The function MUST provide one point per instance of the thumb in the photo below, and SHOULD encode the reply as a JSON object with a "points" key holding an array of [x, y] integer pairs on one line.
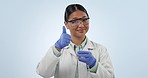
{"points": [[64, 29]]}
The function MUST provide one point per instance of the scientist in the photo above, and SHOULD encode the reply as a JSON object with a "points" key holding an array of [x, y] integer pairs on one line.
{"points": [[74, 55]]}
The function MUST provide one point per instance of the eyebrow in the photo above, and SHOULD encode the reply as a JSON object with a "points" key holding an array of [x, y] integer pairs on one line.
{"points": [[79, 18]]}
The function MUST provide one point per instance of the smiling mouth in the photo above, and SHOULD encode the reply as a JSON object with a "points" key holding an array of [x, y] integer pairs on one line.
{"points": [[81, 31]]}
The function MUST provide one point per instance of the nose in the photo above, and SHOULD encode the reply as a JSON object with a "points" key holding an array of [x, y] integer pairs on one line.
{"points": [[80, 24]]}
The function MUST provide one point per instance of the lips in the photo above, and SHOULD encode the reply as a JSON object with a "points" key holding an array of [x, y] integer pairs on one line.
{"points": [[81, 30]]}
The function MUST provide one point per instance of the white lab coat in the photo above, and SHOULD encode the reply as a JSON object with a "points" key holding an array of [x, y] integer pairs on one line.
{"points": [[65, 65]]}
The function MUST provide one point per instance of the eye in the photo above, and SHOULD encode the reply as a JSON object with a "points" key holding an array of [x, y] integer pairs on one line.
{"points": [[73, 21], [85, 19]]}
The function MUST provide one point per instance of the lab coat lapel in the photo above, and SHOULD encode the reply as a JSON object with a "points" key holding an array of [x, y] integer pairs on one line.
{"points": [[70, 50], [89, 46]]}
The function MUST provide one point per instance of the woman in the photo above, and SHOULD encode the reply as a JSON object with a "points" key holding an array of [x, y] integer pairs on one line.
{"points": [[75, 56]]}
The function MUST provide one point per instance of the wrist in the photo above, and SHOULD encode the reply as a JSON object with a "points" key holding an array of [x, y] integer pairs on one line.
{"points": [[59, 49], [92, 63], [56, 52]]}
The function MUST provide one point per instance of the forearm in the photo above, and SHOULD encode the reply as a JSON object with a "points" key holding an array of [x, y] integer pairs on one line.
{"points": [[47, 65]]}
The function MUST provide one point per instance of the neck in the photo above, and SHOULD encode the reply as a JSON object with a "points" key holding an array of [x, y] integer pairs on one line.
{"points": [[77, 40]]}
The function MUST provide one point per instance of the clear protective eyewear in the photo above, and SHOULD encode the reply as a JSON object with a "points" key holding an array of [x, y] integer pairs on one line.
{"points": [[77, 22]]}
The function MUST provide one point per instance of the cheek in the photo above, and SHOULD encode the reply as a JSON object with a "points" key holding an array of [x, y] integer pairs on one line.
{"points": [[72, 31], [87, 28]]}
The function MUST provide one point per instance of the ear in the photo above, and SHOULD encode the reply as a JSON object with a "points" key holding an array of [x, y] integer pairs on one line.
{"points": [[66, 24]]}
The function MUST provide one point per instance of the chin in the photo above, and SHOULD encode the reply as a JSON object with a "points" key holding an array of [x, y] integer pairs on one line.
{"points": [[81, 35]]}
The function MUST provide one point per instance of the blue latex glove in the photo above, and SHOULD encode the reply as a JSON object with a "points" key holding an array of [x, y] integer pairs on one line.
{"points": [[64, 40], [86, 57]]}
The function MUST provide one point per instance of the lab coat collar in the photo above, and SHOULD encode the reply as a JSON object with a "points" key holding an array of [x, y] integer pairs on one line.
{"points": [[88, 47]]}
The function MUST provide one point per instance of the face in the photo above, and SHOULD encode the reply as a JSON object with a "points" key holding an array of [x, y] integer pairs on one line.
{"points": [[78, 24]]}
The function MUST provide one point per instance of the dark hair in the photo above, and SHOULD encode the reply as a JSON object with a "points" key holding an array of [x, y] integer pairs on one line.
{"points": [[72, 8]]}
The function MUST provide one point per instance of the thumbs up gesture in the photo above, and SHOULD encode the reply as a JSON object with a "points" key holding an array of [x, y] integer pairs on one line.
{"points": [[64, 40]]}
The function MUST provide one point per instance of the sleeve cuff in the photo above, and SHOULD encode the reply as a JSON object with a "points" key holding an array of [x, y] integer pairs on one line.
{"points": [[56, 52], [94, 68]]}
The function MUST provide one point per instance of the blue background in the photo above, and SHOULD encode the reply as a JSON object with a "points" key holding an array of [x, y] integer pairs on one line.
{"points": [[29, 27]]}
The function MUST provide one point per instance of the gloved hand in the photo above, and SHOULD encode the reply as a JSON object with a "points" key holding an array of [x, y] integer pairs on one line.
{"points": [[64, 40], [86, 57]]}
